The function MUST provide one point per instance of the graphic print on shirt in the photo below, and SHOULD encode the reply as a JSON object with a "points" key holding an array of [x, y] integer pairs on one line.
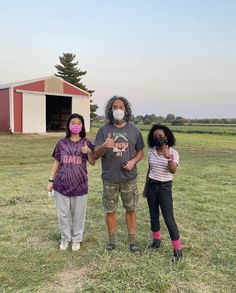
{"points": [[71, 154], [71, 178], [121, 143]]}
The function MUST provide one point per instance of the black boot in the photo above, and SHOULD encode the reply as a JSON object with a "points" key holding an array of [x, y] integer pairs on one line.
{"points": [[177, 254], [155, 244]]}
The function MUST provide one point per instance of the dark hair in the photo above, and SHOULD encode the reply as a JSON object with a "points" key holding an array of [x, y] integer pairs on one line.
{"points": [[81, 118], [108, 109], [168, 134]]}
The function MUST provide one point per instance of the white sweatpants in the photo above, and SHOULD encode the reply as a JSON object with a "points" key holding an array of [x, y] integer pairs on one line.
{"points": [[71, 209]]}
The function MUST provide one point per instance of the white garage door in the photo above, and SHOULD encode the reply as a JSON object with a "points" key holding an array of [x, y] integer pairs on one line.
{"points": [[34, 113], [81, 105]]}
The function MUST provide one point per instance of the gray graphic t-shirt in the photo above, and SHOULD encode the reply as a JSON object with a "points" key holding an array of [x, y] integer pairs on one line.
{"points": [[128, 141]]}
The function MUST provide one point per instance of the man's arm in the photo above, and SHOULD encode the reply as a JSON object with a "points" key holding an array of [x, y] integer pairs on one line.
{"points": [[130, 164], [100, 150], [138, 156]]}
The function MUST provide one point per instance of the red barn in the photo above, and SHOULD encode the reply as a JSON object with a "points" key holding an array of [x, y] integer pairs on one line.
{"points": [[41, 105]]}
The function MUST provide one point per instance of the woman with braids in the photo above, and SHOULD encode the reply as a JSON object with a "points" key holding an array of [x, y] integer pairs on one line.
{"points": [[120, 145], [163, 161]]}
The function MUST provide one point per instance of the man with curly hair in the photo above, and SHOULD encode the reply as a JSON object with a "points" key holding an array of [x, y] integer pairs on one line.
{"points": [[120, 145]]}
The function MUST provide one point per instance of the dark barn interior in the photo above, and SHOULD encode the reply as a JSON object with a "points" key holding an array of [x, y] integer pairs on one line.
{"points": [[58, 108]]}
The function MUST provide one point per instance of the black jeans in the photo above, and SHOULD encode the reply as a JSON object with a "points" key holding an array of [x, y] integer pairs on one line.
{"points": [[160, 194]]}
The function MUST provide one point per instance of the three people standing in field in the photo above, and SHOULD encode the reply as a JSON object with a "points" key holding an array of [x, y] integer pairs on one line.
{"points": [[120, 145]]}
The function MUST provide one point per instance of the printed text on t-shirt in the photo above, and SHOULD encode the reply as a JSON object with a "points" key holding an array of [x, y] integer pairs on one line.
{"points": [[67, 159]]}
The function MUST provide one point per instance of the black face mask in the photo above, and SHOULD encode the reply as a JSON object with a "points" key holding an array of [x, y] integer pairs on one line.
{"points": [[159, 141]]}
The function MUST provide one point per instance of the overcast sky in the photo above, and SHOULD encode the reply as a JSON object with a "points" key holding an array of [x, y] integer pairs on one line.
{"points": [[172, 56]]}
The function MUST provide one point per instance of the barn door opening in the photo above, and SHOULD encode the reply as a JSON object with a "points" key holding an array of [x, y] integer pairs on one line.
{"points": [[58, 109]]}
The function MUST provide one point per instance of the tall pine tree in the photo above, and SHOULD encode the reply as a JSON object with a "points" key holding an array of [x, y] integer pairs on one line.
{"points": [[69, 71]]}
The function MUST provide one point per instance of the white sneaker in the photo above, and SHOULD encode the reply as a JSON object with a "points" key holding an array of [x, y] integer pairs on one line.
{"points": [[75, 246], [64, 245]]}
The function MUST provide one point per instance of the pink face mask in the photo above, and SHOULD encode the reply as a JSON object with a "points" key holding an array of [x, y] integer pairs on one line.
{"points": [[75, 128]]}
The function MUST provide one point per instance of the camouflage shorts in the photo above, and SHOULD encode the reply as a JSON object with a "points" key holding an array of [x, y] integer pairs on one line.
{"points": [[128, 192]]}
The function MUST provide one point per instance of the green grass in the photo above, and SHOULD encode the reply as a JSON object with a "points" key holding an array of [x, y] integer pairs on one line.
{"points": [[204, 203]]}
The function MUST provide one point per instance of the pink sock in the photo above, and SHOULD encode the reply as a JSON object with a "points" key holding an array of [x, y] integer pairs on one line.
{"points": [[156, 235], [176, 244]]}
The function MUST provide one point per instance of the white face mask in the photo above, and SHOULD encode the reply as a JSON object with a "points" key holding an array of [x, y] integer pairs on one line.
{"points": [[118, 114]]}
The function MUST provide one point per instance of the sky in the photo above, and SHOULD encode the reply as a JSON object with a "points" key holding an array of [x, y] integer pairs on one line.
{"points": [[172, 56]]}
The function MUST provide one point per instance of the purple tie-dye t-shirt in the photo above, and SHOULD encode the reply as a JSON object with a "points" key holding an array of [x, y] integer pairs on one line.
{"points": [[71, 178]]}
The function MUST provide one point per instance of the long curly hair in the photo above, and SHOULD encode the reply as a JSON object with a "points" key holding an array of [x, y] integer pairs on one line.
{"points": [[168, 134], [108, 109]]}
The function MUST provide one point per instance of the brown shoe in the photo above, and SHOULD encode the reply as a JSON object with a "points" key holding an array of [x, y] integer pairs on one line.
{"points": [[135, 249], [110, 246]]}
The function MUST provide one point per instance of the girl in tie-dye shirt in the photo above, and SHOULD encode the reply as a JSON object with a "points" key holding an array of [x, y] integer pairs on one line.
{"points": [[69, 180]]}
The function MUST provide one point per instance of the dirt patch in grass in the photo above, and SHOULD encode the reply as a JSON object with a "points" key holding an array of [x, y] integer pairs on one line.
{"points": [[70, 280]]}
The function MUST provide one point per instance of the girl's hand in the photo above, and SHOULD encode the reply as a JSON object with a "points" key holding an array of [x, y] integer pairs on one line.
{"points": [[166, 153], [50, 186], [85, 149], [144, 194]]}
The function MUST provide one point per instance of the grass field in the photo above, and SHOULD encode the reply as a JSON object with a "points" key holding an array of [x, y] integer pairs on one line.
{"points": [[224, 129], [205, 209]]}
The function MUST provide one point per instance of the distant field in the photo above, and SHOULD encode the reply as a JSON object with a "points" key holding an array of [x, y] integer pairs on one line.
{"points": [[205, 209], [224, 129], [207, 129]]}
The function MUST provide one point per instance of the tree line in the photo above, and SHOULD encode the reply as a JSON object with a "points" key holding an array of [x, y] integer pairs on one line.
{"points": [[149, 119]]}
